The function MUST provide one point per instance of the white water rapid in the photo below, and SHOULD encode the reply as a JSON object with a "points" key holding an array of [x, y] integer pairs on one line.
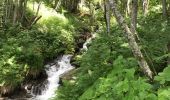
{"points": [[54, 70], [63, 65], [88, 41]]}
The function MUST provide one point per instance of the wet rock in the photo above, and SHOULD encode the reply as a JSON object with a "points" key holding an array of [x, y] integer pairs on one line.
{"points": [[7, 90], [69, 76]]}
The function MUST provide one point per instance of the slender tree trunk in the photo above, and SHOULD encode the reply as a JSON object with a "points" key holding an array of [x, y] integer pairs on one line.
{"points": [[107, 15], [58, 4], [164, 9], [24, 10], [38, 9], [15, 12], [9, 6], [131, 40], [21, 10], [134, 15], [145, 7], [1, 14], [128, 7]]}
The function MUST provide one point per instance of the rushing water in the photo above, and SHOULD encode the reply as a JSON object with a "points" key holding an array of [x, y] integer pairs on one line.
{"points": [[54, 70], [87, 42], [63, 65]]}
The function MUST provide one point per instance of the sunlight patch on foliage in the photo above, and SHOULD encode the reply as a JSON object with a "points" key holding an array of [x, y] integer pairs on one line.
{"points": [[45, 12]]}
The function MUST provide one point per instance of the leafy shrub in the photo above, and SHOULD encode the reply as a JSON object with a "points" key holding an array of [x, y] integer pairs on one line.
{"points": [[11, 71], [163, 84], [164, 93], [120, 84], [59, 33], [96, 63], [91, 62], [24, 52], [163, 77], [154, 37]]}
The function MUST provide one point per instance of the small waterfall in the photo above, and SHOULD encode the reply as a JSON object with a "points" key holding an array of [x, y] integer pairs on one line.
{"points": [[87, 42], [54, 70], [63, 65]]}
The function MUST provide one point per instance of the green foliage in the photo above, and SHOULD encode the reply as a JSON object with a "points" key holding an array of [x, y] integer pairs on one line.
{"points": [[23, 52], [163, 79], [108, 70], [11, 72], [95, 65], [164, 93], [91, 62], [121, 80], [154, 37], [120, 84], [164, 76]]}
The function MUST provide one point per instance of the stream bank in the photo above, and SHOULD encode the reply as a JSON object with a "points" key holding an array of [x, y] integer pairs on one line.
{"points": [[26, 87]]}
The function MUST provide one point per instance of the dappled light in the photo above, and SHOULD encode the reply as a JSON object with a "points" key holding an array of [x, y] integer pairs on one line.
{"points": [[44, 11], [84, 50]]}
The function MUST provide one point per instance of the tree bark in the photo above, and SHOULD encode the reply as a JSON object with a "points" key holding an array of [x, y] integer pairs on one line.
{"points": [[128, 7], [9, 6], [134, 15], [15, 12], [107, 15], [164, 9], [145, 7], [1, 14], [131, 40]]}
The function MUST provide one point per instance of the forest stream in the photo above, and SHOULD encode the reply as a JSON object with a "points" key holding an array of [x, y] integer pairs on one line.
{"points": [[84, 49], [54, 71]]}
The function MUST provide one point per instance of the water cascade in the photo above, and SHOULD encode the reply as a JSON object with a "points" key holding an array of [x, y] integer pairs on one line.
{"points": [[63, 65], [54, 70]]}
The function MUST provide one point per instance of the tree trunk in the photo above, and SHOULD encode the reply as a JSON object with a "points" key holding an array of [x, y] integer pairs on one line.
{"points": [[59, 3], [131, 40], [107, 15], [164, 9], [134, 15], [9, 9], [128, 5], [15, 12], [145, 7], [1, 14], [38, 9], [24, 11]]}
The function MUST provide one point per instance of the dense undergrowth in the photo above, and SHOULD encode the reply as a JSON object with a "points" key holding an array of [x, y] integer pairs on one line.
{"points": [[108, 70], [24, 51]]}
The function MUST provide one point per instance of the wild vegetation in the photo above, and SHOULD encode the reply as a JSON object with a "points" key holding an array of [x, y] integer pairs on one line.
{"points": [[127, 60]]}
